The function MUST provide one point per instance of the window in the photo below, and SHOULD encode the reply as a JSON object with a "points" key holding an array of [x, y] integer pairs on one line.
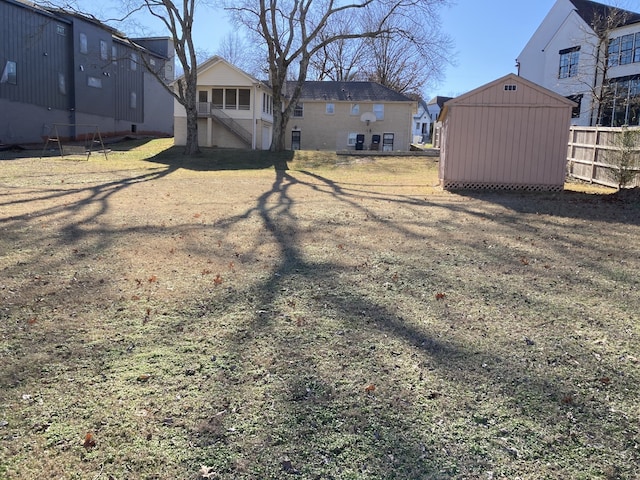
{"points": [[351, 141], [575, 112], [62, 84], [61, 30], [84, 46], [330, 108], [613, 52], [10, 73], [626, 49], [94, 82], [217, 97], [622, 104], [298, 111], [104, 50], [134, 61], [510, 88], [230, 95], [378, 109], [244, 99], [355, 109], [133, 100], [114, 54], [267, 104], [569, 62]]}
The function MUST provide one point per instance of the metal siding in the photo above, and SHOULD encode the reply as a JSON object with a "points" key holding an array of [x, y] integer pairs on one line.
{"points": [[30, 39]]}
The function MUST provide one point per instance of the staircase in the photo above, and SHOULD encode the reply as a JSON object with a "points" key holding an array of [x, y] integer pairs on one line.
{"points": [[229, 123]]}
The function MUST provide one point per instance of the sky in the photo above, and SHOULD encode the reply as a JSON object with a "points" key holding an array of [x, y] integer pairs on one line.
{"points": [[487, 35]]}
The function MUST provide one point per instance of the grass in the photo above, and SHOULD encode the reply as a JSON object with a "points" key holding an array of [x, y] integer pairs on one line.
{"points": [[167, 317]]}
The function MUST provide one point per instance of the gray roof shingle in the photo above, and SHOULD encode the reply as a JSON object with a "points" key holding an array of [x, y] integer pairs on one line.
{"points": [[590, 11], [349, 92]]}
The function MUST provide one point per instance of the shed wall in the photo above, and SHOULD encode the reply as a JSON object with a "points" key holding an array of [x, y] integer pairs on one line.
{"points": [[507, 140]]}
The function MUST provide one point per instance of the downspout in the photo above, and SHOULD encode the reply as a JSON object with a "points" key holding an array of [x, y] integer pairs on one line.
{"points": [[255, 120]]}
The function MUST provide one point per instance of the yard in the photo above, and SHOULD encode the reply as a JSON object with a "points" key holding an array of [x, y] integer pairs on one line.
{"points": [[331, 318]]}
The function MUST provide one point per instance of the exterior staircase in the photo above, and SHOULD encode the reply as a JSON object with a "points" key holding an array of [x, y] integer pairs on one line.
{"points": [[225, 120]]}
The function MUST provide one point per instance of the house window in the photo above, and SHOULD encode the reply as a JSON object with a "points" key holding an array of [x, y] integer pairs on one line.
{"points": [[133, 100], [230, 95], [104, 50], [114, 54], [378, 110], [244, 99], [626, 49], [10, 73], [622, 103], [575, 112], [94, 82], [60, 30], [133, 64], [510, 88], [355, 109], [351, 141], [62, 84], [84, 48], [298, 111], [569, 62], [217, 97], [267, 104], [330, 108], [613, 52]]}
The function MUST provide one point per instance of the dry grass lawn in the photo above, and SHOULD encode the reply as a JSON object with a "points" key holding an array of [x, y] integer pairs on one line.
{"points": [[167, 318]]}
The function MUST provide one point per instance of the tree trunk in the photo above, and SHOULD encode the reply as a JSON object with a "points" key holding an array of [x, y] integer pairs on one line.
{"points": [[190, 106], [191, 147]]}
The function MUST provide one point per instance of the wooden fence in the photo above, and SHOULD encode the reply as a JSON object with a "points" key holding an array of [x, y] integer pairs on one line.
{"points": [[590, 155]]}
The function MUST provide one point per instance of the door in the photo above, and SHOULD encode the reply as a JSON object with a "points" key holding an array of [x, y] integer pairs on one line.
{"points": [[266, 137], [387, 142], [295, 140]]}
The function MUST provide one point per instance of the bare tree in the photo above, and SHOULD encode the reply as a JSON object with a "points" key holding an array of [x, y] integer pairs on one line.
{"points": [[293, 31], [237, 50]]}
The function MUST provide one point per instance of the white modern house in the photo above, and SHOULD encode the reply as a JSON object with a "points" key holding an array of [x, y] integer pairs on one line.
{"points": [[590, 53]]}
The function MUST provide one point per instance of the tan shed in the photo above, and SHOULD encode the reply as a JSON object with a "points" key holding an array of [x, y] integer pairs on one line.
{"points": [[509, 134]]}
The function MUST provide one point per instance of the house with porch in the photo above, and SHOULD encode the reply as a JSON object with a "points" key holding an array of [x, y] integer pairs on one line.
{"points": [[235, 110], [590, 53]]}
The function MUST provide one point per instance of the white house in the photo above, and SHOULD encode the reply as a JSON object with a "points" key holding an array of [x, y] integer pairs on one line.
{"points": [[235, 110], [422, 121], [590, 53]]}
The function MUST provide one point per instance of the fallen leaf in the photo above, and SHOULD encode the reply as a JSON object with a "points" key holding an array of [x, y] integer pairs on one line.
{"points": [[217, 280], [440, 296], [394, 277], [144, 377], [524, 261], [89, 441], [31, 321], [153, 278], [196, 215], [370, 388], [206, 271], [605, 380], [434, 395]]}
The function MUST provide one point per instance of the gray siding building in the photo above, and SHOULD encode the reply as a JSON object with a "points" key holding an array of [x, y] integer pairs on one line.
{"points": [[74, 73]]}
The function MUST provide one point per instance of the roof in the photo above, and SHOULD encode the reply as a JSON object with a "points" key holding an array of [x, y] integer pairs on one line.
{"points": [[438, 100], [349, 92], [590, 12], [511, 77]]}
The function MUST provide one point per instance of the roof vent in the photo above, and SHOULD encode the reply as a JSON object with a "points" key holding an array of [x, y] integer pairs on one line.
{"points": [[510, 88]]}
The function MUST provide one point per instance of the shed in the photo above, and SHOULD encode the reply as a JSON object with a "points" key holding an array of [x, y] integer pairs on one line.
{"points": [[510, 134]]}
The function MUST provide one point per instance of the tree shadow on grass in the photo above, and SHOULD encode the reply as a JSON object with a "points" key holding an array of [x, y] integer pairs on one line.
{"points": [[324, 416], [212, 159]]}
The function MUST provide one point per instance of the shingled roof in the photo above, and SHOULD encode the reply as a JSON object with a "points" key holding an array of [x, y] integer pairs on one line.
{"points": [[592, 11], [349, 92]]}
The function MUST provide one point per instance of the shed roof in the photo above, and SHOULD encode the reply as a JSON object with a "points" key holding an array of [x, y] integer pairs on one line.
{"points": [[349, 92], [511, 78]]}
